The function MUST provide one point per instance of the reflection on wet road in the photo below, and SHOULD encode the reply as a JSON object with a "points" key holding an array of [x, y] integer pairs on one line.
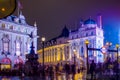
{"points": [[57, 77]]}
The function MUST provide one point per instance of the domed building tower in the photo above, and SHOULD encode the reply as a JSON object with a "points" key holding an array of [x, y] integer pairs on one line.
{"points": [[89, 30]]}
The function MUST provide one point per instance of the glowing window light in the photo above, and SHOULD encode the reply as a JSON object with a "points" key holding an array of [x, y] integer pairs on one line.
{"points": [[5, 46], [28, 48], [18, 49]]}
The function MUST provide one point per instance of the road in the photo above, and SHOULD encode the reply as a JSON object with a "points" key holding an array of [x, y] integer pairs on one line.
{"points": [[78, 76]]}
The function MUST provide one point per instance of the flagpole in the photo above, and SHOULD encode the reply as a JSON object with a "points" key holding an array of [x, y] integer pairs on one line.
{"points": [[18, 8]]}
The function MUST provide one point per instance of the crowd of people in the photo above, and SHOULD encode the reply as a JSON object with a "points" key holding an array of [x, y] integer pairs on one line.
{"points": [[109, 67]]}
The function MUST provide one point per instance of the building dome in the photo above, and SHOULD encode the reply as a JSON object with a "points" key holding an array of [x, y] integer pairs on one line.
{"points": [[89, 21]]}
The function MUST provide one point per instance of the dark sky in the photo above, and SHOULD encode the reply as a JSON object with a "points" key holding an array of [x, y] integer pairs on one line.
{"points": [[52, 15]]}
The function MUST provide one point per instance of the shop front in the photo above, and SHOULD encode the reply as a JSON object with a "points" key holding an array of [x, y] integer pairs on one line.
{"points": [[5, 64]]}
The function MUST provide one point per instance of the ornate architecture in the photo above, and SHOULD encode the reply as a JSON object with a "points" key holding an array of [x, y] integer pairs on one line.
{"points": [[70, 45], [91, 31], [56, 49], [15, 41]]}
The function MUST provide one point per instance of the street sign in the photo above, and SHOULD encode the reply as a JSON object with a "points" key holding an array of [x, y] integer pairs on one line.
{"points": [[103, 50]]}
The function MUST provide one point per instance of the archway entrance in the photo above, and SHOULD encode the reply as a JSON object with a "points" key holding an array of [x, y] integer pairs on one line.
{"points": [[5, 63]]}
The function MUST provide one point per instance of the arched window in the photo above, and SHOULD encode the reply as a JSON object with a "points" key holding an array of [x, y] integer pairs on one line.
{"points": [[18, 46], [3, 26], [28, 46], [72, 37], [61, 54], [55, 54], [92, 33], [90, 51], [86, 34], [5, 41], [82, 51], [18, 51], [11, 27]]}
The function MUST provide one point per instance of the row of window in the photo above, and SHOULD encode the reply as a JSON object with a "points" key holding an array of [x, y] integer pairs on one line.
{"points": [[18, 46], [83, 35], [11, 27]]}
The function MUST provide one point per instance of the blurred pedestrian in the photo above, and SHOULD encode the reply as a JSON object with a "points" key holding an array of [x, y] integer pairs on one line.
{"points": [[92, 69]]}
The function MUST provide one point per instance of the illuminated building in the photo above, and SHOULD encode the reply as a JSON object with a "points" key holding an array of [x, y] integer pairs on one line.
{"points": [[56, 50], [91, 31], [15, 41], [72, 47]]}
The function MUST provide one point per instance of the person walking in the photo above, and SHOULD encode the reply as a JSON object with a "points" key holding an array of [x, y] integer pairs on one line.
{"points": [[92, 69]]}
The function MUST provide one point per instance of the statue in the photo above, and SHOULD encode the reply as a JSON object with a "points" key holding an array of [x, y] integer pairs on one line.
{"points": [[31, 63]]}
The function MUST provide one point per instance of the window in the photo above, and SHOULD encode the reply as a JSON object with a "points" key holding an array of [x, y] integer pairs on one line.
{"points": [[6, 45], [77, 36], [82, 51], [86, 34], [18, 51], [98, 33], [90, 51], [72, 37], [5, 41], [92, 33], [11, 27], [28, 45], [3, 26], [18, 46]]}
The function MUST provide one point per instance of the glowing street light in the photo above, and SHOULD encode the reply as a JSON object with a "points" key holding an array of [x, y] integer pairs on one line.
{"points": [[74, 50], [87, 42], [43, 41]]}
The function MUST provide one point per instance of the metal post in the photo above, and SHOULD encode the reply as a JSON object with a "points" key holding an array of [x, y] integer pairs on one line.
{"points": [[74, 59], [43, 59], [87, 58], [117, 65]]}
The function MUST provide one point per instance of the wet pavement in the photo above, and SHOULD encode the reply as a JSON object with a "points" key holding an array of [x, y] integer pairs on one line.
{"points": [[62, 76], [57, 77]]}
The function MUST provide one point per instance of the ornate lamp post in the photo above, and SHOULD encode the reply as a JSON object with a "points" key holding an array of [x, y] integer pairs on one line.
{"points": [[87, 42], [117, 46], [74, 50], [43, 41], [108, 44]]}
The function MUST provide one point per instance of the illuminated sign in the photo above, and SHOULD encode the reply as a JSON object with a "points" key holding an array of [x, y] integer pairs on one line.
{"points": [[103, 50]]}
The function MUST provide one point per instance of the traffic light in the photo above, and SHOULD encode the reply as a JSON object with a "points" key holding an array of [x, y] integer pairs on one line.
{"points": [[7, 7]]}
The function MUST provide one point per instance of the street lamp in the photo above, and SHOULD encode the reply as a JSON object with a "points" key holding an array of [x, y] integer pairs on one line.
{"points": [[43, 41], [109, 44], [87, 42], [117, 46], [74, 50]]}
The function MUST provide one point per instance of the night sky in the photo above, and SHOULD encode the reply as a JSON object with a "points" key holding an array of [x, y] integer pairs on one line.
{"points": [[52, 15]]}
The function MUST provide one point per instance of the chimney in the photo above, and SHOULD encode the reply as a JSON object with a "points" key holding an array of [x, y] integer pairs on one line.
{"points": [[99, 21]]}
